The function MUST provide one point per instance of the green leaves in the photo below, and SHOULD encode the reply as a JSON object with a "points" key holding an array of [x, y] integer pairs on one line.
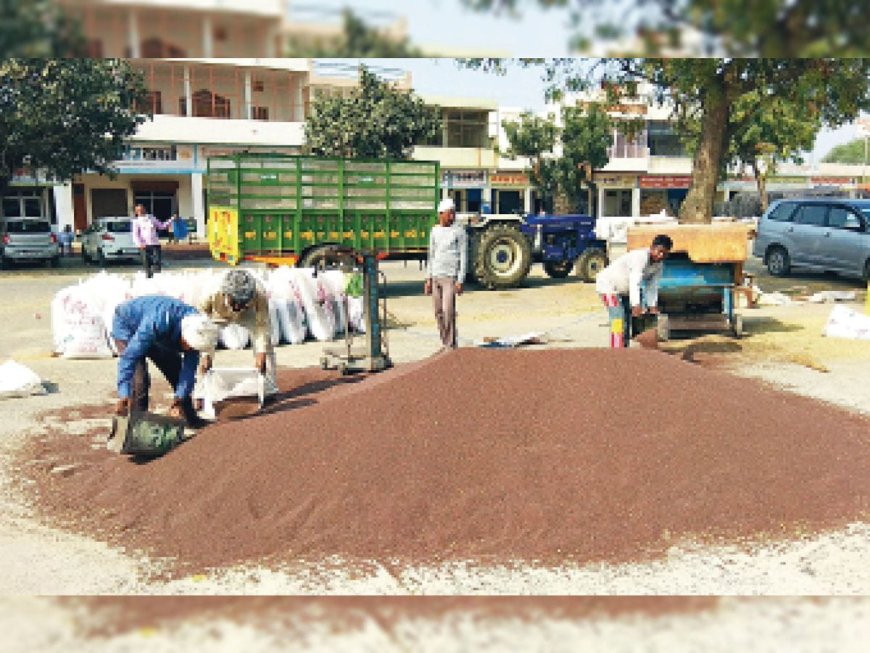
{"points": [[60, 117], [375, 121], [37, 28]]}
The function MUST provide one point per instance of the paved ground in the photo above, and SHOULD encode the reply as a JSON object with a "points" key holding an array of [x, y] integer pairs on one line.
{"points": [[784, 345]]}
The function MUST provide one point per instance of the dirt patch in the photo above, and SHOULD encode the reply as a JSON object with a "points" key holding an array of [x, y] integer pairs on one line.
{"points": [[496, 456], [99, 617]]}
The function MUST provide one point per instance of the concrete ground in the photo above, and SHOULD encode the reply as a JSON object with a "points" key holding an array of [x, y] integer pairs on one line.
{"points": [[783, 345]]}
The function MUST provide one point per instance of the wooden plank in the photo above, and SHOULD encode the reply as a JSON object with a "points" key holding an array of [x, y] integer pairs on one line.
{"points": [[704, 243]]}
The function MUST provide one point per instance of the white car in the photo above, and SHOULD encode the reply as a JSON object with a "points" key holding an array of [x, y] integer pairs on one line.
{"points": [[109, 239]]}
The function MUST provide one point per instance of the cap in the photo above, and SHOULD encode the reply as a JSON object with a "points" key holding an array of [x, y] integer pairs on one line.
{"points": [[446, 205], [239, 286]]}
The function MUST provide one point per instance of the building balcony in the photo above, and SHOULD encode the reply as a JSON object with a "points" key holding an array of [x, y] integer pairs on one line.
{"points": [[458, 157], [177, 129]]}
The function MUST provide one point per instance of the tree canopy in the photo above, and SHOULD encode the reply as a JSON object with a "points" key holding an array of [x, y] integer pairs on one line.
{"points": [[375, 121], [717, 103], [563, 156], [37, 28], [767, 28], [852, 152], [66, 116]]}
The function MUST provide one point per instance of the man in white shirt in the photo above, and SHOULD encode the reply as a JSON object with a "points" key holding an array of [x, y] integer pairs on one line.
{"points": [[445, 270], [629, 286]]}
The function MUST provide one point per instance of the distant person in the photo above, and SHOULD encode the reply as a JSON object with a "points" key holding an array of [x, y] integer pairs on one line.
{"points": [[242, 300], [65, 238], [629, 286], [179, 229], [169, 333], [147, 239], [445, 270]]}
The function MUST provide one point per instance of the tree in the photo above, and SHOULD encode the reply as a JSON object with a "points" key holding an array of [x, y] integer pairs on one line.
{"points": [[376, 121], [37, 28], [771, 132], [562, 158], [357, 40], [853, 152], [767, 28], [714, 101], [62, 117]]}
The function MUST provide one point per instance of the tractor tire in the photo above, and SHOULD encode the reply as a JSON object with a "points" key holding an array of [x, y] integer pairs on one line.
{"points": [[778, 261], [502, 258], [590, 263], [558, 269]]}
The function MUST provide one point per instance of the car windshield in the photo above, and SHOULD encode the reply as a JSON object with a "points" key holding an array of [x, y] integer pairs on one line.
{"points": [[119, 226], [28, 227]]}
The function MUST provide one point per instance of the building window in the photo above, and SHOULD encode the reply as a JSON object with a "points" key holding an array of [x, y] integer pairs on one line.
{"points": [[259, 86], [153, 102], [629, 148], [467, 128], [260, 113], [26, 203], [156, 49], [663, 141], [207, 105]]}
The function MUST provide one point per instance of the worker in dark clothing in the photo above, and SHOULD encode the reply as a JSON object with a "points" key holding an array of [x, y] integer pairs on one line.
{"points": [[171, 334]]}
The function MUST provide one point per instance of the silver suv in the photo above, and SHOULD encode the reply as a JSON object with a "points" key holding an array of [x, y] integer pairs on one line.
{"points": [[825, 234], [27, 239], [109, 239]]}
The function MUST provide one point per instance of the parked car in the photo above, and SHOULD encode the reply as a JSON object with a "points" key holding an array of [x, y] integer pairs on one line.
{"points": [[28, 239], [826, 234], [109, 239]]}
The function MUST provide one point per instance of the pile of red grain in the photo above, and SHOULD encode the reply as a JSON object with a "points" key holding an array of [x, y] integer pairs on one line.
{"points": [[478, 454]]}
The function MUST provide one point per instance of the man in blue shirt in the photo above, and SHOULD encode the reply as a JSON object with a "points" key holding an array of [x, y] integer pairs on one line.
{"points": [[171, 334]]}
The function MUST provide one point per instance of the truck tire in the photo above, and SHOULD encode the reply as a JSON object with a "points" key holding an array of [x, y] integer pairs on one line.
{"points": [[321, 257], [502, 258], [590, 263], [558, 269]]}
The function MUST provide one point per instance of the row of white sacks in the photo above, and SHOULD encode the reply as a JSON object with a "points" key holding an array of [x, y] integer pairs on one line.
{"points": [[301, 305]]}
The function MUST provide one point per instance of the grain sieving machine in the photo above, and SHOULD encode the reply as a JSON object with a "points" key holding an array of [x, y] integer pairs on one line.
{"points": [[702, 276]]}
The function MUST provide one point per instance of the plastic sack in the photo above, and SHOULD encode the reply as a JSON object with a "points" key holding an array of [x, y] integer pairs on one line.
{"points": [[16, 380], [847, 323], [78, 327], [234, 336]]}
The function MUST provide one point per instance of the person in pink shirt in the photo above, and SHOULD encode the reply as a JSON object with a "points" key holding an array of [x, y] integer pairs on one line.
{"points": [[145, 236]]}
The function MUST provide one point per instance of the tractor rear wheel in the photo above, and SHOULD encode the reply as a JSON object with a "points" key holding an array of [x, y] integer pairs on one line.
{"points": [[502, 258]]}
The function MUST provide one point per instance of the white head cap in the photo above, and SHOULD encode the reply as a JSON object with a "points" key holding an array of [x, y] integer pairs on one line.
{"points": [[446, 205], [199, 332]]}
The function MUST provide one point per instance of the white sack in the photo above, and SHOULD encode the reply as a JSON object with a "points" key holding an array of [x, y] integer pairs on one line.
{"points": [[16, 380], [845, 322]]}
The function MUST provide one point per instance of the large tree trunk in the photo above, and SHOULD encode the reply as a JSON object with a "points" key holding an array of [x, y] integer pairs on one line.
{"points": [[698, 205]]}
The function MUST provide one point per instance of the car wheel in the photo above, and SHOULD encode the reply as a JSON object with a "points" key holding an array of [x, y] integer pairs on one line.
{"points": [[778, 262]]}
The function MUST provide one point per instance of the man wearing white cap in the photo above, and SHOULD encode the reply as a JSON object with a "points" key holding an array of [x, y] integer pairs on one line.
{"points": [[445, 270], [171, 334]]}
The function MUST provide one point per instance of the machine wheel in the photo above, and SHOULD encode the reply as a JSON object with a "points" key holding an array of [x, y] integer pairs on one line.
{"points": [[737, 326], [663, 328], [590, 263], [778, 262], [503, 257], [322, 257], [558, 269]]}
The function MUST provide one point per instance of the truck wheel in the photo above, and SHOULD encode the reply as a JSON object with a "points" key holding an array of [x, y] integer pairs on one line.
{"points": [[503, 257], [558, 269], [321, 258], [591, 262]]}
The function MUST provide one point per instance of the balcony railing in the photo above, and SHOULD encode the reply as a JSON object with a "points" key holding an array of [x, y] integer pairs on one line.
{"points": [[628, 151]]}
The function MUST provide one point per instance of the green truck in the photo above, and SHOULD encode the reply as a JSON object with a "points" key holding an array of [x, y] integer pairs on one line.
{"points": [[289, 209]]}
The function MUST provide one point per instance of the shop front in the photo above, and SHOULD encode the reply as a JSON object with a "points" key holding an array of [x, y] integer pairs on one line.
{"points": [[618, 195], [663, 193], [466, 188], [510, 192]]}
